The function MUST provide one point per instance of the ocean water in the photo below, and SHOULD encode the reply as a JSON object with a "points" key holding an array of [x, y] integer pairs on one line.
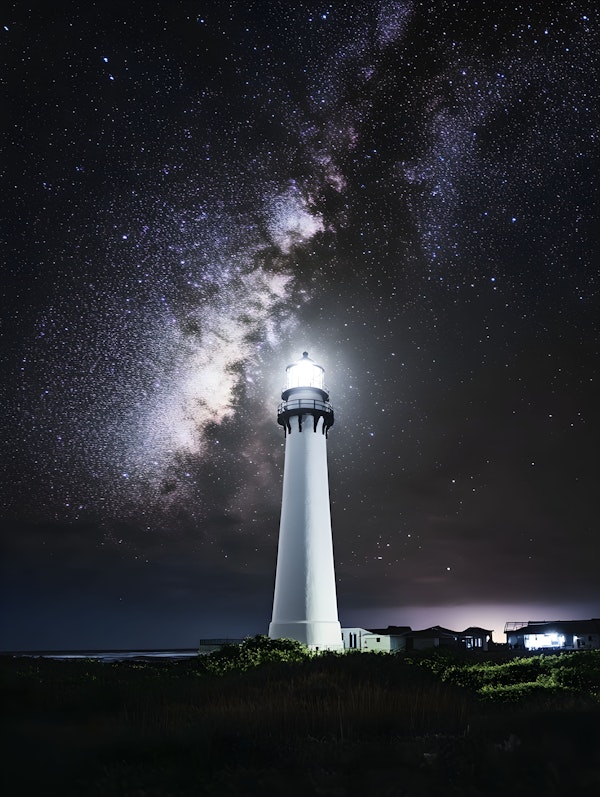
{"points": [[204, 647], [111, 655]]}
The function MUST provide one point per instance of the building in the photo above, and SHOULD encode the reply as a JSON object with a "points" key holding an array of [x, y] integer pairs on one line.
{"points": [[305, 600], [553, 634], [394, 638], [475, 638], [377, 640], [434, 637], [206, 646]]}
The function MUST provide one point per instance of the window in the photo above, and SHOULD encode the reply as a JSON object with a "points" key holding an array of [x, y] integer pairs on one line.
{"points": [[549, 640]]}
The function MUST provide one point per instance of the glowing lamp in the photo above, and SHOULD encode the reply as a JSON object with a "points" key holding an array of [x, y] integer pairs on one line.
{"points": [[304, 373]]}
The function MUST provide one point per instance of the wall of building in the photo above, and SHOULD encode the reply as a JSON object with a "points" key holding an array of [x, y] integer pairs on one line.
{"points": [[352, 638], [382, 643], [361, 639]]}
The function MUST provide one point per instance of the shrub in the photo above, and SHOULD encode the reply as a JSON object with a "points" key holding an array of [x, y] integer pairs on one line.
{"points": [[252, 652], [514, 693], [578, 671]]}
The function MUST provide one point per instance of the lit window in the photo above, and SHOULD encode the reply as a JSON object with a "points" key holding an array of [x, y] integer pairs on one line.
{"points": [[551, 640]]}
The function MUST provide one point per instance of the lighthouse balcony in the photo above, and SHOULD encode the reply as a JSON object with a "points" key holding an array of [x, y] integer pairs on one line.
{"points": [[306, 392], [304, 406]]}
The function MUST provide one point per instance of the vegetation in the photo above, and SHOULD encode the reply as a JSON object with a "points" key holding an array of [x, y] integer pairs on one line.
{"points": [[574, 673], [268, 718]]}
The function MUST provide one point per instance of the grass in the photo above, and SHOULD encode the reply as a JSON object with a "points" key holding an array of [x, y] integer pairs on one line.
{"points": [[270, 719]]}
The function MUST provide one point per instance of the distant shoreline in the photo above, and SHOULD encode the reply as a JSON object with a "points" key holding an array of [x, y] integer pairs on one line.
{"points": [[116, 654], [103, 654]]}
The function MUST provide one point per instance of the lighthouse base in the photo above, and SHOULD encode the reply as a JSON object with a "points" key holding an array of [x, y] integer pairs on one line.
{"points": [[316, 634]]}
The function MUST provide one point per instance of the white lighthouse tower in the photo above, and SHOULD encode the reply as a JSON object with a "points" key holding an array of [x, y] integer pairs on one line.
{"points": [[305, 602]]}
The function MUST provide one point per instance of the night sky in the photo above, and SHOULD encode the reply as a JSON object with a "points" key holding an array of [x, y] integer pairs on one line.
{"points": [[193, 193]]}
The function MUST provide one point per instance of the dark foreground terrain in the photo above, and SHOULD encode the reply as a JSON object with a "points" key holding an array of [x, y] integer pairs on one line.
{"points": [[267, 719]]}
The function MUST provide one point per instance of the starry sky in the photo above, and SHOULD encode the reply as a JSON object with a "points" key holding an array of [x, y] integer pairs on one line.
{"points": [[193, 193]]}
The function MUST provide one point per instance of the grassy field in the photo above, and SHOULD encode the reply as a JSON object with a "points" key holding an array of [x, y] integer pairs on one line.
{"points": [[266, 718]]}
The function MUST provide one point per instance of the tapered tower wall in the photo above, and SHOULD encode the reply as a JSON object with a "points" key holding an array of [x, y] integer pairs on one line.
{"points": [[305, 601]]}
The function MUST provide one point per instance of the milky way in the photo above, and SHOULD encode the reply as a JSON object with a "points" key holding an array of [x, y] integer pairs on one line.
{"points": [[196, 195]]}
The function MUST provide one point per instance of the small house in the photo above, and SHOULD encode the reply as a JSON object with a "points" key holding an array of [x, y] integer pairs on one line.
{"points": [[434, 637], [475, 638], [385, 640], [553, 634]]}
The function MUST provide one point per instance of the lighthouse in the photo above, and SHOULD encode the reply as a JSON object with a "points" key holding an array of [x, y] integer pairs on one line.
{"points": [[305, 601]]}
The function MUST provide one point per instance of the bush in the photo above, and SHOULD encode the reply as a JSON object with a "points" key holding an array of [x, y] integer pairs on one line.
{"points": [[520, 678], [253, 652], [515, 693], [578, 671], [477, 675]]}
